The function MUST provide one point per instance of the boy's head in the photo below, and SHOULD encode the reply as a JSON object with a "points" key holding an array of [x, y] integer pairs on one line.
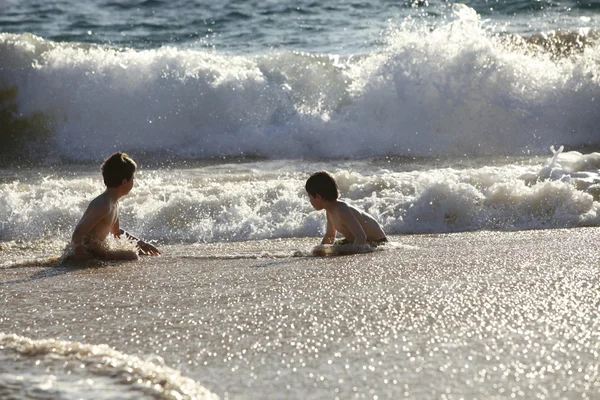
{"points": [[323, 184], [117, 168]]}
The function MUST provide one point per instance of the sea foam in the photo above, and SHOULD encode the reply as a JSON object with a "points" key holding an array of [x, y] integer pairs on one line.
{"points": [[251, 202], [55, 368], [458, 89]]}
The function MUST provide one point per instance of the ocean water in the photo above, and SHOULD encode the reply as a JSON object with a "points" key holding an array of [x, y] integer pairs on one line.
{"points": [[475, 120]]}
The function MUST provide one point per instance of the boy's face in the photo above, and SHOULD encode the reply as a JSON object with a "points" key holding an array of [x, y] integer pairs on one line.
{"points": [[316, 202], [127, 185]]}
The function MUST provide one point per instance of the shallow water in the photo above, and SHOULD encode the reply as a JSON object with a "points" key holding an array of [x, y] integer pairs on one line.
{"points": [[235, 201], [475, 315]]}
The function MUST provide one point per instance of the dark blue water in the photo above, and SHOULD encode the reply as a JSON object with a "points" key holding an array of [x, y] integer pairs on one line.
{"points": [[334, 26]]}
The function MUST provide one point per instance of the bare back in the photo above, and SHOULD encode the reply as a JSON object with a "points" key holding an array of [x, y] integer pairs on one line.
{"points": [[98, 220], [344, 218]]}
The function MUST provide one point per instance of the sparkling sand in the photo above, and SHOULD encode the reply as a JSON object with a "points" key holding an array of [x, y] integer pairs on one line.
{"points": [[467, 315]]}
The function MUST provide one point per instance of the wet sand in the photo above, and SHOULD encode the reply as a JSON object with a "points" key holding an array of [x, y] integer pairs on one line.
{"points": [[466, 315]]}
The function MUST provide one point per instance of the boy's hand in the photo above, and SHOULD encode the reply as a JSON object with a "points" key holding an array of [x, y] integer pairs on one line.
{"points": [[147, 248]]}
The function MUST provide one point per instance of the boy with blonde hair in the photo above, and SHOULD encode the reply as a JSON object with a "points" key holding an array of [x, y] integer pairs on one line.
{"points": [[102, 215]]}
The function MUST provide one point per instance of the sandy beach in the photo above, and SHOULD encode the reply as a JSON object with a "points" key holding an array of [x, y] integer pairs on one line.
{"points": [[466, 315]]}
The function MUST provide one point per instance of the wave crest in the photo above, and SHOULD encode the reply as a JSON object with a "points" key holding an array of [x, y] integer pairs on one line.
{"points": [[453, 90]]}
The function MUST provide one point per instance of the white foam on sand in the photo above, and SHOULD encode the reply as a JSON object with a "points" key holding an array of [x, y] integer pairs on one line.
{"points": [[65, 369]]}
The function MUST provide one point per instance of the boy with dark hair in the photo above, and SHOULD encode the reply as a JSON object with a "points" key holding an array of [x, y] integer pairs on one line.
{"points": [[357, 226], [102, 215]]}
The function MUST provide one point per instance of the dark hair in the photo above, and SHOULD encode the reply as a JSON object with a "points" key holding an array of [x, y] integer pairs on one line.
{"points": [[322, 183], [117, 167]]}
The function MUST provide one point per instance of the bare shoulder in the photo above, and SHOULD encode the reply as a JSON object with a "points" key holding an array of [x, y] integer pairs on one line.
{"points": [[344, 207], [341, 205], [339, 208], [101, 204]]}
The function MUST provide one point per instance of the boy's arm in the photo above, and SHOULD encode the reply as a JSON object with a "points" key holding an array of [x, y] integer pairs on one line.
{"points": [[144, 247], [360, 237], [330, 232]]}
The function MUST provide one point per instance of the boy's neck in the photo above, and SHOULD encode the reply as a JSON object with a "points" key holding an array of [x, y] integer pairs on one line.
{"points": [[329, 204], [114, 193]]}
